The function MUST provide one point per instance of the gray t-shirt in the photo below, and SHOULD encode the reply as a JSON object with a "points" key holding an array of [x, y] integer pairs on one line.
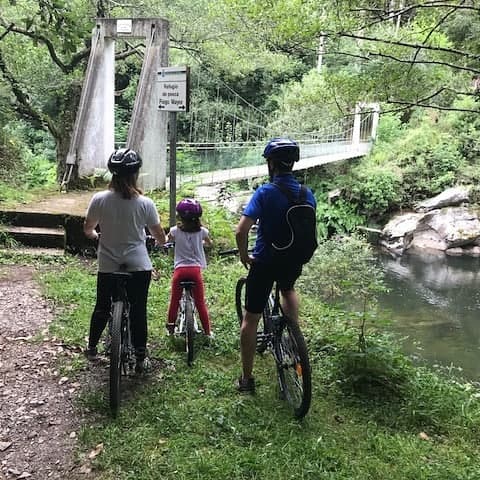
{"points": [[189, 250], [122, 226]]}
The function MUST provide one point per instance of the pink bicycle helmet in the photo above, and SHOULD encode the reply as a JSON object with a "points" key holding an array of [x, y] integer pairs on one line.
{"points": [[189, 209]]}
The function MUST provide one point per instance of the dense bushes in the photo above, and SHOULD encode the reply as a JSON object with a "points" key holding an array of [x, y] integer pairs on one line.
{"points": [[408, 163], [26, 163]]}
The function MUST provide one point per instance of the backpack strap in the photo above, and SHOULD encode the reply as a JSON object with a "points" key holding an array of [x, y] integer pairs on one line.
{"points": [[302, 196]]}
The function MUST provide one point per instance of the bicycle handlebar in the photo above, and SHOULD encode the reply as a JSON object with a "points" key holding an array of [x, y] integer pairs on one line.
{"points": [[233, 251], [153, 247]]}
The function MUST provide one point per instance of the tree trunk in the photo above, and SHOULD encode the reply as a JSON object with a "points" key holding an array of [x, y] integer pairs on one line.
{"points": [[65, 126]]}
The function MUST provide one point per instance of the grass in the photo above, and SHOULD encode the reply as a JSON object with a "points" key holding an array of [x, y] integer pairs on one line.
{"points": [[12, 196], [374, 415]]}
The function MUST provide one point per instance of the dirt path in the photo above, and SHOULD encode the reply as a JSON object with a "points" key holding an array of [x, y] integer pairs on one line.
{"points": [[38, 420]]}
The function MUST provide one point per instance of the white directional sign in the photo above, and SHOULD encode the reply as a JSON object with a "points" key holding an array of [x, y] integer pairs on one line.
{"points": [[173, 89]]}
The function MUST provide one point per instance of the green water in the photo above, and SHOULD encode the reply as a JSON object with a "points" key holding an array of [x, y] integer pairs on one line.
{"points": [[434, 301]]}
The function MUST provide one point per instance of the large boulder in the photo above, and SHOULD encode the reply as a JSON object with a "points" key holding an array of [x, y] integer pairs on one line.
{"points": [[448, 198], [456, 226], [454, 230], [397, 233]]}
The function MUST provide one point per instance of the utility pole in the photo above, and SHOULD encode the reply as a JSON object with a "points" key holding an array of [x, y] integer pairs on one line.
{"points": [[320, 52], [172, 129]]}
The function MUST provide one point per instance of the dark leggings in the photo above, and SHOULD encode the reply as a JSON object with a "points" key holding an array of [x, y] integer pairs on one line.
{"points": [[137, 291]]}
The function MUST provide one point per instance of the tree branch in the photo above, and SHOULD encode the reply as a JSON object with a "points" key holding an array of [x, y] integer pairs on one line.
{"points": [[369, 55], [405, 44], [23, 105], [65, 67], [424, 105], [430, 33], [421, 102], [7, 31]]}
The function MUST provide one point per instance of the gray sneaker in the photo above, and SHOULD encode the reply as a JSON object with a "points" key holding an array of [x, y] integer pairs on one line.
{"points": [[143, 366]]}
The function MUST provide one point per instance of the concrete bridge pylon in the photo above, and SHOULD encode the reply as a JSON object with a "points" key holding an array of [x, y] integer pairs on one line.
{"points": [[93, 139]]}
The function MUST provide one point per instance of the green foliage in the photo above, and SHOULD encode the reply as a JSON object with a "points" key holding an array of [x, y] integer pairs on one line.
{"points": [[39, 172], [389, 129], [6, 240], [10, 153], [339, 217], [375, 188], [309, 100], [430, 162], [342, 267], [343, 271]]}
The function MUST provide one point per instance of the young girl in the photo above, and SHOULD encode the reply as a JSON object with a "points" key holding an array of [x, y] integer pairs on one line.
{"points": [[189, 237]]}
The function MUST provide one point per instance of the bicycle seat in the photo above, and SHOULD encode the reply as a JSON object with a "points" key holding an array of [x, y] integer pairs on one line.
{"points": [[122, 274], [187, 283]]}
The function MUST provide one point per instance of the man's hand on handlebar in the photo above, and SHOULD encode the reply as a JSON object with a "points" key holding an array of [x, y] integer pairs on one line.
{"points": [[246, 260]]}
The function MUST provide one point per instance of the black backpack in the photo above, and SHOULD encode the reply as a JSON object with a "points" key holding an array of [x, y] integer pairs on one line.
{"points": [[298, 241]]}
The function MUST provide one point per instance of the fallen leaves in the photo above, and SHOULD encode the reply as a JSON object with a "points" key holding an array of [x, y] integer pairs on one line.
{"points": [[4, 446], [96, 451]]}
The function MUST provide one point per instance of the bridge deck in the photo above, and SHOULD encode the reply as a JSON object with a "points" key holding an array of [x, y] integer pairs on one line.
{"points": [[241, 173]]}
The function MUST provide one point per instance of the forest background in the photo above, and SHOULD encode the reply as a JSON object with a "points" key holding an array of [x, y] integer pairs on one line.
{"points": [[302, 63]]}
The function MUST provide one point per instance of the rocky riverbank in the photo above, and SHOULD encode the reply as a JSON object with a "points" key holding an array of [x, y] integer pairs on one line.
{"points": [[447, 223]]}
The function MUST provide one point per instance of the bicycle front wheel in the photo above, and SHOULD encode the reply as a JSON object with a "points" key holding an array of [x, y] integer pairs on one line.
{"points": [[189, 328], [293, 367], [116, 356]]}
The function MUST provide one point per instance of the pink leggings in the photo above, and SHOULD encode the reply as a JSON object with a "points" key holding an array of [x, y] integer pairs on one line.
{"points": [[195, 274]]}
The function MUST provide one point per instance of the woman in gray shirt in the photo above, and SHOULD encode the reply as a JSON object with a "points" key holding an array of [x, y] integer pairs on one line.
{"points": [[122, 213]]}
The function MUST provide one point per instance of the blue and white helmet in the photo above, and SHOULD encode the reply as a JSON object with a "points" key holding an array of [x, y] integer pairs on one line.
{"points": [[282, 151]]}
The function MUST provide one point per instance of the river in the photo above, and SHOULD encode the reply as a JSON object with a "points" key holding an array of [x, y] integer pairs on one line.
{"points": [[434, 301]]}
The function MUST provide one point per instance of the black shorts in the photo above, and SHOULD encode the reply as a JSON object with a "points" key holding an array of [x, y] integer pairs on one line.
{"points": [[260, 281]]}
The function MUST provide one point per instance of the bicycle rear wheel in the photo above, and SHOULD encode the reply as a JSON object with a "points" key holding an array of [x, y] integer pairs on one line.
{"points": [[116, 356], [189, 328], [293, 367], [263, 325]]}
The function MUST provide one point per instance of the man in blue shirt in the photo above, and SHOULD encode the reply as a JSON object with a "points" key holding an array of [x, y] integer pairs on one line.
{"points": [[268, 205]]}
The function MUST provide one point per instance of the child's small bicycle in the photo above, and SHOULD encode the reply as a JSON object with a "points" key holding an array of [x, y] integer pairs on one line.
{"points": [[186, 324]]}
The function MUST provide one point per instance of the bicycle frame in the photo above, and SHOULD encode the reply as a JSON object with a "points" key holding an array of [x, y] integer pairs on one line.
{"points": [[120, 295], [181, 326], [283, 338], [187, 324]]}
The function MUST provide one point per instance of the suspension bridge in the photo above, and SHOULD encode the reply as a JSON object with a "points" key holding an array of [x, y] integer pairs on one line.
{"points": [[222, 135], [207, 163]]}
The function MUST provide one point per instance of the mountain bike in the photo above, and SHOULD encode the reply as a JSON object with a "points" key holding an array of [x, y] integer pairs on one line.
{"points": [[282, 337], [122, 352]]}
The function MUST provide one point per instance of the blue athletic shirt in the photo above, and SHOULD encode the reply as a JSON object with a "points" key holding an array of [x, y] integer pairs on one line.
{"points": [[268, 205]]}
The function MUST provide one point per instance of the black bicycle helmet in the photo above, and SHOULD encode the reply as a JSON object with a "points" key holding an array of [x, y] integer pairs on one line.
{"points": [[124, 161], [283, 151]]}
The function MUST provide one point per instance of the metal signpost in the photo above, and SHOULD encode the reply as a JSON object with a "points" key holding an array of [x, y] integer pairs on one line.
{"points": [[174, 96]]}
